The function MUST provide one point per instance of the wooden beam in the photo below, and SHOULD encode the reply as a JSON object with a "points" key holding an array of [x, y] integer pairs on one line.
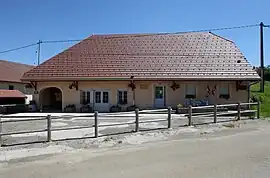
{"points": [[34, 84]]}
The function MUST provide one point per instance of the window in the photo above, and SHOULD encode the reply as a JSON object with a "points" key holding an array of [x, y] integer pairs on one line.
{"points": [[11, 87], [224, 92], [97, 97], [85, 97], [105, 98], [88, 97], [122, 97], [159, 92], [190, 91]]}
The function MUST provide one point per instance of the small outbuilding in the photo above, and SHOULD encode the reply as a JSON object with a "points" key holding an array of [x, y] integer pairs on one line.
{"points": [[12, 101]]}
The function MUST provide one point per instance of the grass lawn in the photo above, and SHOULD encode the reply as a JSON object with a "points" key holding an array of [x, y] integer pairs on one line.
{"points": [[263, 97]]}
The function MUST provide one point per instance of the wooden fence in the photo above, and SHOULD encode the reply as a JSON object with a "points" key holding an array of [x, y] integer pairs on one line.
{"points": [[190, 116]]}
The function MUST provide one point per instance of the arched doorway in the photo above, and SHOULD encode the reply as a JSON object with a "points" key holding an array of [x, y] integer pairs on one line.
{"points": [[50, 99]]}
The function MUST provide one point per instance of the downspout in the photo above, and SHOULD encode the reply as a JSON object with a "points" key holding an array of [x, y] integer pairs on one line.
{"points": [[249, 85], [133, 91], [94, 99]]}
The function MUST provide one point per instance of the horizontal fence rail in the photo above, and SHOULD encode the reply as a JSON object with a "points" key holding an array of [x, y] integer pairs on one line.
{"points": [[191, 115], [118, 124], [24, 120], [202, 107], [73, 128], [155, 120], [226, 105], [23, 132]]}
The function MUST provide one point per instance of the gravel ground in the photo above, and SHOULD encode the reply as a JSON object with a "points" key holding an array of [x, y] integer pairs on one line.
{"points": [[22, 152], [73, 121]]}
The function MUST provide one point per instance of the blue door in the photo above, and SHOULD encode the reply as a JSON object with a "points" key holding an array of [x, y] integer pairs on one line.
{"points": [[159, 96]]}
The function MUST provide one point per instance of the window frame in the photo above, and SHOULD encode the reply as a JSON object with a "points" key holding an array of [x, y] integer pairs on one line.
{"points": [[103, 100], [85, 97], [189, 95], [11, 87], [123, 100], [158, 95], [222, 95], [100, 99]]}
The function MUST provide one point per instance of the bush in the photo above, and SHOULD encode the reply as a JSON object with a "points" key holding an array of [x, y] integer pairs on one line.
{"points": [[263, 98], [133, 107]]}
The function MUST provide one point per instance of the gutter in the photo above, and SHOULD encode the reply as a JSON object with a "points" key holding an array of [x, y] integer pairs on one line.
{"points": [[250, 84], [138, 78], [19, 82]]}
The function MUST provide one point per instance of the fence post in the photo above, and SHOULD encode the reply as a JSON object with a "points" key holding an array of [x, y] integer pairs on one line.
{"points": [[96, 124], [189, 115], [136, 120], [258, 109], [169, 117], [49, 128], [1, 131], [238, 111], [215, 113]]}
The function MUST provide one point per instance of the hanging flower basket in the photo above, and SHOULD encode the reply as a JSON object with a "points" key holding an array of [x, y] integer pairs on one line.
{"points": [[132, 85], [211, 91], [74, 84], [175, 86]]}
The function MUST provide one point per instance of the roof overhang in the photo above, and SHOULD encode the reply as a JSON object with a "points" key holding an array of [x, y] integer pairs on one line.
{"points": [[10, 81], [11, 94], [141, 78]]}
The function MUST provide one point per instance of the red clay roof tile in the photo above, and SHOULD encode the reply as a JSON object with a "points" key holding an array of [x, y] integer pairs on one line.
{"points": [[11, 94], [150, 56], [12, 72]]}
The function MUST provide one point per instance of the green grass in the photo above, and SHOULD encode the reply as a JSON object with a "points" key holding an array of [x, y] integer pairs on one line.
{"points": [[264, 98]]}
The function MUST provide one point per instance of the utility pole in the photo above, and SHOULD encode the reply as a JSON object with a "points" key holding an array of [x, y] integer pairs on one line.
{"points": [[38, 52], [261, 56]]}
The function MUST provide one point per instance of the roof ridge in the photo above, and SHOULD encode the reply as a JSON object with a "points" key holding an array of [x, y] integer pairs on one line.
{"points": [[141, 34]]}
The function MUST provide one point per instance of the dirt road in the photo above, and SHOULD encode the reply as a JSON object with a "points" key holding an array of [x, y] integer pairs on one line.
{"points": [[233, 154]]}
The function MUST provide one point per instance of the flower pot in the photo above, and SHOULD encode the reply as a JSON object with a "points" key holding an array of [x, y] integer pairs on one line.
{"points": [[181, 110], [86, 109]]}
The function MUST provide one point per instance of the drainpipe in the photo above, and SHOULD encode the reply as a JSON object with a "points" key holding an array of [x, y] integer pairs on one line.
{"points": [[133, 91], [133, 100], [94, 99], [249, 85]]}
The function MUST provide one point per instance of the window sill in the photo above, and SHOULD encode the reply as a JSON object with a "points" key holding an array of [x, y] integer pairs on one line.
{"points": [[190, 97], [224, 97]]}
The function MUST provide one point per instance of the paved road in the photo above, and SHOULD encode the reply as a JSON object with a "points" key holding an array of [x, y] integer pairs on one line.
{"points": [[234, 155]]}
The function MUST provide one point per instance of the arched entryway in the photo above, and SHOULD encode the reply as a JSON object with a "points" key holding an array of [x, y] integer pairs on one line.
{"points": [[50, 99]]}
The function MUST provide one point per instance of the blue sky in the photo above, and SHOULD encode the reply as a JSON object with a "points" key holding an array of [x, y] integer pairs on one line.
{"points": [[26, 22]]}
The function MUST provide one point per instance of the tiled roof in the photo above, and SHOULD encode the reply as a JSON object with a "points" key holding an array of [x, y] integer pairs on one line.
{"points": [[11, 94], [151, 56], [12, 72]]}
